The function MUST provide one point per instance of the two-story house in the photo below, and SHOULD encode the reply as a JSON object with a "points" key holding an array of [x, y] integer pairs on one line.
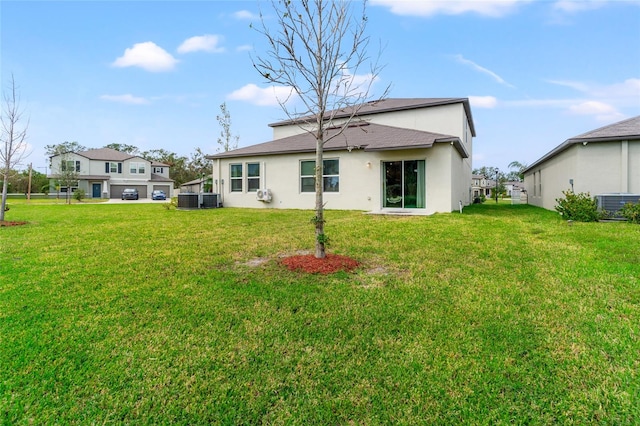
{"points": [[105, 173], [480, 185], [398, 155]]}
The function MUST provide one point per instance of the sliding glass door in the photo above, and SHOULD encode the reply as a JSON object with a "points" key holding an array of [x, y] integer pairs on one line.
{"points": [[404, 183]]}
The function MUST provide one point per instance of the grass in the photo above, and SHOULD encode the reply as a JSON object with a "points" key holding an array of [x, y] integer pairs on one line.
{"points": [[137, 314]]}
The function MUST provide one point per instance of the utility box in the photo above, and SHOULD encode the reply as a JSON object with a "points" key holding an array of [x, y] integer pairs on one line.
{"points": [[209, 201], [188, 201]]}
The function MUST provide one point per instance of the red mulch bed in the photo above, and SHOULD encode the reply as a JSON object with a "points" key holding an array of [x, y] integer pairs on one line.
{"points": [[11, 223], [330, 264]]}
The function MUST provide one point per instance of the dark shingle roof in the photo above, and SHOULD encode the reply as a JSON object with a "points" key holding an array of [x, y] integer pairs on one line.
{"points": [[628, 129], [392, 104], [158, 178], [370, 137], [106, 154]]}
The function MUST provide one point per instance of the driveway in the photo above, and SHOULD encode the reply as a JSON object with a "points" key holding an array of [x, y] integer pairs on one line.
{"points": [[140, 200]]}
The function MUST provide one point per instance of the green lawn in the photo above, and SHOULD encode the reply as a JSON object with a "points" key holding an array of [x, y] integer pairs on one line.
{"points": [[132, 313]]}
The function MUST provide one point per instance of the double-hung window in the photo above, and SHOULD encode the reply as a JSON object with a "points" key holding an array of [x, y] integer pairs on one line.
{"points": [[330, 175], [236, 177], [253, 177], [136, 168], [70, 166], [112, 167]]}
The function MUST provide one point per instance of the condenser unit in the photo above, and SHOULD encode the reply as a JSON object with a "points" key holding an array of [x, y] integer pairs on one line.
{"points": [[264, 195], [612, 203]]}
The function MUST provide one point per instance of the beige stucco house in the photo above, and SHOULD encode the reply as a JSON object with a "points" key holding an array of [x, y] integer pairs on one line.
{"points": [[602, 161], [105, 173], [411, 155]]}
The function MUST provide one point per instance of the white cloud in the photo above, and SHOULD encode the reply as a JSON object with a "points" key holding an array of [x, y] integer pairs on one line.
{"points": [[473, 65], [206, 43], [268, 96], [483, 101], [572, 84], [601, 111], [491, 8], [353, 85], [603, 102], [627, 92], [244, 48], [245, 15], [125, 99], [148, 56], [621, 94], [574, 6]]}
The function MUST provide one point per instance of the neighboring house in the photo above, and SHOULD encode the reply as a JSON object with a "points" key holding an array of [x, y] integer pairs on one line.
{"points": [[602, 161], [398, 154], [196, 185], [513, 186], [480, 185], [104, 173]]}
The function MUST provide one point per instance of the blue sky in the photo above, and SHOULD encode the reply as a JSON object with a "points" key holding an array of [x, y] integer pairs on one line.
{"points": [[154, 73]]}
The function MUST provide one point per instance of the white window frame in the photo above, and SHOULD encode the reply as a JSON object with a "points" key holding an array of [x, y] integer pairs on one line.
{"points": [[324, 176], [137, 168], [233, 178], [251, 178]]}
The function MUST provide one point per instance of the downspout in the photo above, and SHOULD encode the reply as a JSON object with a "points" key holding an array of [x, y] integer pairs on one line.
{"points": [[221, 192]]}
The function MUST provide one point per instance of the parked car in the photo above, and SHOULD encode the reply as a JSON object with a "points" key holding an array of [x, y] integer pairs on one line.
{"points": [[158, 195], [130, 194]]}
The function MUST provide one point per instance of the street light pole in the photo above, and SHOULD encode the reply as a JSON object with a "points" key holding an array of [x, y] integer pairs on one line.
{"points": [[496, 190]]}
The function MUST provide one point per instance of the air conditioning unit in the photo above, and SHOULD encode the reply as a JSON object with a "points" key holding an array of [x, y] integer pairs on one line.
{"points": [[612, 203], [264, 195]]}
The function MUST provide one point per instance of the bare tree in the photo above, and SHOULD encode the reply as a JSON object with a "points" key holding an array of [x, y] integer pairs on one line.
{"points": [[317, 49], [14, 146], [227, 141]]}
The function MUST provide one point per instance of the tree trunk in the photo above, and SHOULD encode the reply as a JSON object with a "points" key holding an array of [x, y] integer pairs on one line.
{"points": [[4, 197], [319, 219]]}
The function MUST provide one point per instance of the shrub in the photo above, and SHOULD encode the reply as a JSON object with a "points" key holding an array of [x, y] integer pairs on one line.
{"points": [[479, 199], [580, 207], [79, 194], [631, 212], [172, 204]]}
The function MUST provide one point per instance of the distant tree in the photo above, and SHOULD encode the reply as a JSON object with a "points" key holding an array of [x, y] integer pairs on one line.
{"points": [[123, 147], [19, 180], [63, 148], [13, 146], [486, 171], [200, 166], [316, 49], [178, 164], [517, 171], [226, 140]]}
